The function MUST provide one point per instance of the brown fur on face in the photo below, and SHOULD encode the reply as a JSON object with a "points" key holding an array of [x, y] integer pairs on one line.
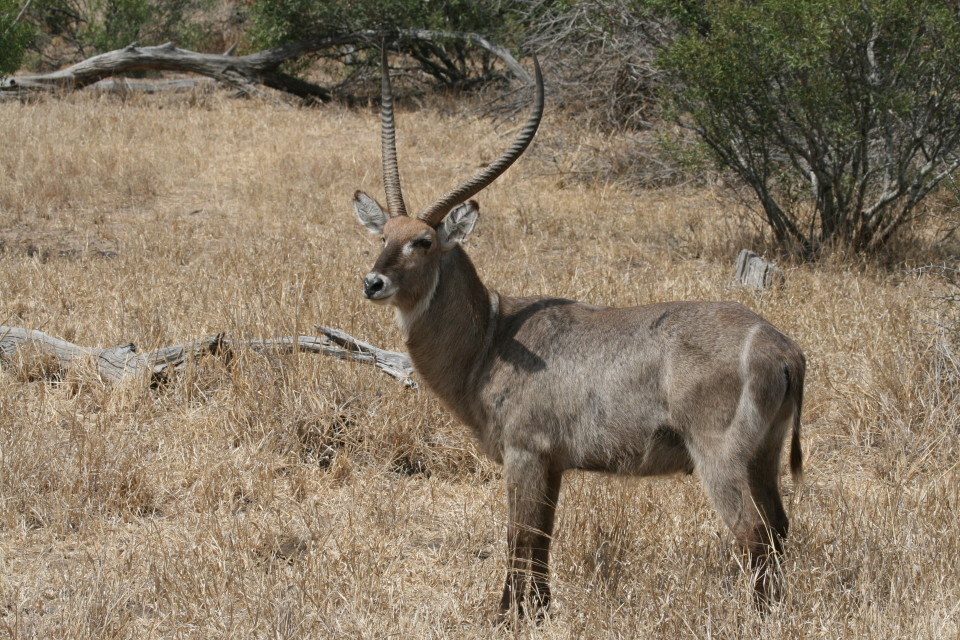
{"points": [[407, 262]]}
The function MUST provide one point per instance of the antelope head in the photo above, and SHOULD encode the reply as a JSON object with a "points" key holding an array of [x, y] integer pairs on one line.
{"points": [[406, 272]]}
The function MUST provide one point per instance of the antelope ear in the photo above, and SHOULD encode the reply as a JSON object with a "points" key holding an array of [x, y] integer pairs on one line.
{"points": [[369, 213], [458, 224]]}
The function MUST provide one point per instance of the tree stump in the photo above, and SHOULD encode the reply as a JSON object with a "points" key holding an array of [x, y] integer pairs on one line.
{"points": [[755, 272]]}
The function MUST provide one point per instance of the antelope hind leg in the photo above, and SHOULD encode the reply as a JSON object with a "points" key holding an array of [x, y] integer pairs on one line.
{"points": [[753, 511]]}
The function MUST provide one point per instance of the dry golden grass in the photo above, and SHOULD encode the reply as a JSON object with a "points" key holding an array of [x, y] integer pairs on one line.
{"points": [[308, 497]]}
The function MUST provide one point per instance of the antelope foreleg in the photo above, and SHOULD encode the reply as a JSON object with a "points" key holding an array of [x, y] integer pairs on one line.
{"points": [[532, 492]]}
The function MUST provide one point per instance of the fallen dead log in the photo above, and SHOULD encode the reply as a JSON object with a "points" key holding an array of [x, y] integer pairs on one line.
{"points": [[116, 363], [125, 86], [246, 73]]}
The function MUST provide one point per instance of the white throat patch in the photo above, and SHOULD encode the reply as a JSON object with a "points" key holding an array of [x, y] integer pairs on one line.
{"points": [[406, 319]]}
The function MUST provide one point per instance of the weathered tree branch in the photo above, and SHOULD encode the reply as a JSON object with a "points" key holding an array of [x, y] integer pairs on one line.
{"points": [[245, 73], [117, 363], [128, 85]]}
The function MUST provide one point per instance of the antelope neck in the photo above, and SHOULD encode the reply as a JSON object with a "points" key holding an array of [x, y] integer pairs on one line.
{"points": [[448, 342]]}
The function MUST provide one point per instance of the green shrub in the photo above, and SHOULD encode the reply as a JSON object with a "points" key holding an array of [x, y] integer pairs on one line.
{"points": [[15, 34], [450, 62], [64, 31], [840, 115]]}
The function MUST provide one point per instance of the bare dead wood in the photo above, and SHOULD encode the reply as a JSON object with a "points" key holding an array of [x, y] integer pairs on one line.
{"points": [[393, 363], [245, 73], [129, 86], [120, 362], [755, 272]]}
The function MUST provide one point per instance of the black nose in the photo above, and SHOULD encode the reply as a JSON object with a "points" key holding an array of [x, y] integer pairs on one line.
{"points": [[372, 285]]}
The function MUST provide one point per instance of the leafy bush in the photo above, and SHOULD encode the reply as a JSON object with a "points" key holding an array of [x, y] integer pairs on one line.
{"points": [[118, 23], [69, 30], [278, 21], [451, 63], [840, 115], [15, 35]]}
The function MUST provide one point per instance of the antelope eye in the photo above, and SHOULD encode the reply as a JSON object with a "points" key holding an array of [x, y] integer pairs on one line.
{"points": [[422, 243], [383, 240]]}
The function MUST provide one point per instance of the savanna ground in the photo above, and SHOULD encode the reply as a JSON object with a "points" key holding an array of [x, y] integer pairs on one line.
{"points": [[302, 496]]}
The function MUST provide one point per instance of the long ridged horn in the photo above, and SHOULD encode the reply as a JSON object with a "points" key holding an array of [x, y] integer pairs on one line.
{"points": [[388, 142], [436, 212]]}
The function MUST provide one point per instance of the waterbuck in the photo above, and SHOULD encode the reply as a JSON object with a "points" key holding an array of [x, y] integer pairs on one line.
{"points": [[548, 384]]}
